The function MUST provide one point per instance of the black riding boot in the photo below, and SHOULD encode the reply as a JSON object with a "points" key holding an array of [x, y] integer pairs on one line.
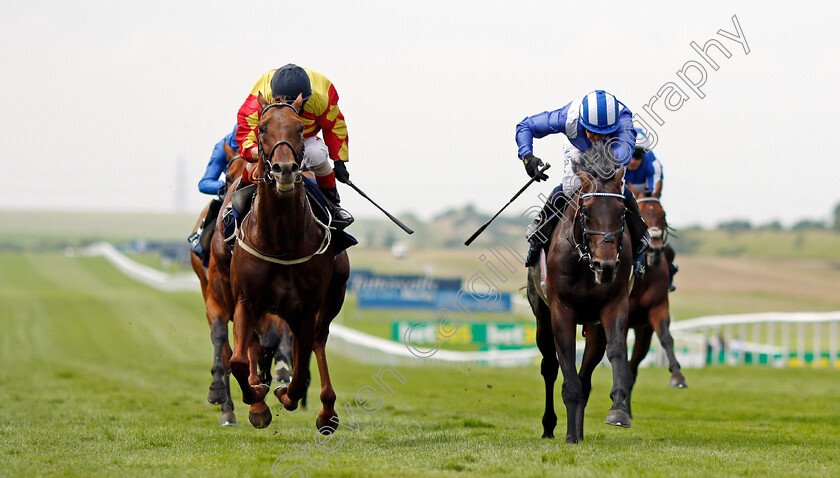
{"points": [[672, 267], [539, 233], [639, 235], [341, 218]]}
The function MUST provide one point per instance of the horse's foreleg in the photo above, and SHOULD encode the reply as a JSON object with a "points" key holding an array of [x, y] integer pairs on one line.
{"points": [[304, 338], [664, 333], [327, 420], [563, 327], [640, 350], [548, 368], [593, 352], [614, 321], [244, 331]]}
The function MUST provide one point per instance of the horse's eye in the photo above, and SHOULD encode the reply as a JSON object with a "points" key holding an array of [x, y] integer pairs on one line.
{"points": [[263, 129]]}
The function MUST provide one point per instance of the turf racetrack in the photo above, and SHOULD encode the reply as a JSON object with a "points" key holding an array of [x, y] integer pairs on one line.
{"points": [[104, 377]]}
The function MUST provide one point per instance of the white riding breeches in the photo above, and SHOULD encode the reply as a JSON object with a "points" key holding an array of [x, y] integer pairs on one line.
{"points": [[316, 155]]}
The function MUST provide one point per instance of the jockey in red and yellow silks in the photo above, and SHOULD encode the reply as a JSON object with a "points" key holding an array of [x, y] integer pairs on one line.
{"points": [[320, 113]]}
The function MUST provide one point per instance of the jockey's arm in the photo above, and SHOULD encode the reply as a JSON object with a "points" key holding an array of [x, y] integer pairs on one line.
{"points": [[633, 190], [538, 126], [657, 190]]}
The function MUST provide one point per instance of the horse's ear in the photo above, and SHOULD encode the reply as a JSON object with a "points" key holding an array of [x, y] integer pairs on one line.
{"points": [[228, 151], [261, 100], [619, 175], [586, 183], [298, 103]]}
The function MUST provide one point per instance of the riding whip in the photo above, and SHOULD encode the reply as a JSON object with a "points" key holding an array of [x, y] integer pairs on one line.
{"points": [[482, 228], [396, 221]]}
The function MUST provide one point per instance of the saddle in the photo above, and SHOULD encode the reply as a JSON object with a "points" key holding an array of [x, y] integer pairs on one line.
{"points": [[243, 198]]}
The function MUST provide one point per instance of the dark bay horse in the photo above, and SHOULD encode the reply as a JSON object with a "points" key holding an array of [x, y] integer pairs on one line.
{"points": [[275, 342], [284, 263], [649, 300], [587, 281]]}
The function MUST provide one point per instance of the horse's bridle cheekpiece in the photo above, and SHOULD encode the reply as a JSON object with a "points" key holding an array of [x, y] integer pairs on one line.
{"points": [[583, 249], [269, 175]]}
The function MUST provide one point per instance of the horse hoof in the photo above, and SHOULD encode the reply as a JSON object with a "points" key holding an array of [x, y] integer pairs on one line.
{"points": [[619, 418], [548, 435], [216, 397], [678, 382], [326, 426], [260, 419], [227, 420], [282, 394], [261, 390], [572, 440]]}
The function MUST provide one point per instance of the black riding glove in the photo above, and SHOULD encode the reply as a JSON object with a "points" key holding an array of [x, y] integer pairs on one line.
{"points": [[532, 167], [341, 174]]}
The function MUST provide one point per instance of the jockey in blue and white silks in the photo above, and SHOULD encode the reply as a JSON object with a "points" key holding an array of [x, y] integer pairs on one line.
{"points": [[597, 117], [644, 173], [212, 182], [646, 178]]}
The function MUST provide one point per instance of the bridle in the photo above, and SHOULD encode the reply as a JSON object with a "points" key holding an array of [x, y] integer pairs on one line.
{"points": [[655, 232], [269, 175], [582, 248]]}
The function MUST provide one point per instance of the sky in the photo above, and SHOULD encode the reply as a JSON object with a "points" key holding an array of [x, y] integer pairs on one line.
{"points": [[116, 106]]}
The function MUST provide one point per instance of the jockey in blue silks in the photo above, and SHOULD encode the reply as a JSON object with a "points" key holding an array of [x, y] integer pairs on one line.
{"points": [[644, 172], [212, 182], [596, 117]]}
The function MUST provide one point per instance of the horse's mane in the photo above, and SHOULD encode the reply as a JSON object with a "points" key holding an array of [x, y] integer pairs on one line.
{"points": [[598, 162]]}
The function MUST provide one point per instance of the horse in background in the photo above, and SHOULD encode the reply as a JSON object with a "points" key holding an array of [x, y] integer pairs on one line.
{"points": [[275, 342], [587, 281], [284, 263], [649, 309]]}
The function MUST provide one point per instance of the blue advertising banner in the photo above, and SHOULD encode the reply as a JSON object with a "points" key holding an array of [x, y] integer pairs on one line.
{"points": [[419, 292]]}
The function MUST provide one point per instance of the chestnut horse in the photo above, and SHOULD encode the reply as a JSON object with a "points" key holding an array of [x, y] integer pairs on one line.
{"points": [[275, 343], [649, 300], [284, 263], [587, 281]]}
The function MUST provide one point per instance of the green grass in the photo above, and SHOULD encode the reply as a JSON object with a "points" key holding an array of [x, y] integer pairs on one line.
{"points": [[104, 377]]}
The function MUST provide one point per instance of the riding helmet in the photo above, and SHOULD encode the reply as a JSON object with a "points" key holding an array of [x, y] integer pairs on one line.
{"points": [[288, 82], [599, 112]]}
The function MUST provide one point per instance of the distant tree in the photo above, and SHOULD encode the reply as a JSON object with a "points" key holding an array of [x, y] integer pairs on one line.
{"points": [[806, 224], [735, 226], [836, 225], [771, 226]]}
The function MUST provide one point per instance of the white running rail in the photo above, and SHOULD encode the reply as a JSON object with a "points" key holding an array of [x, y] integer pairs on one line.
{"points": [[773, 338]]}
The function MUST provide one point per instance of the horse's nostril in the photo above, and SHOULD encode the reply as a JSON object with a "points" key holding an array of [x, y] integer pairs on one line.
{"points": [[276, 168]]}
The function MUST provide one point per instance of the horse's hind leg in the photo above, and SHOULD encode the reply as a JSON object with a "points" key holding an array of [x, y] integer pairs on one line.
{"points": [[283, 356], [269, 343], [640, 350], [667, 341], [593, 352]]}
